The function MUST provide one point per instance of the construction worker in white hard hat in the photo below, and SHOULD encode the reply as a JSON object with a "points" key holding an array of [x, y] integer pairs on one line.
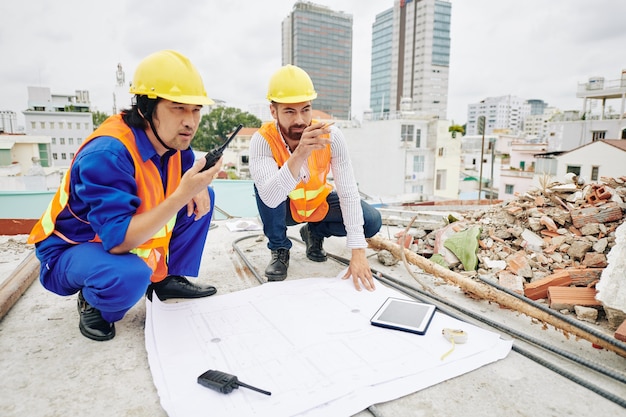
{"points": [[133, 211], [290, 159]]}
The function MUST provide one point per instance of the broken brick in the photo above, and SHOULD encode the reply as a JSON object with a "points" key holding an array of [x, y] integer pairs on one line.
{"points": [[607, 213], [620, 333], [561, 298], [582, 277], [595, 260], [539, 288]]}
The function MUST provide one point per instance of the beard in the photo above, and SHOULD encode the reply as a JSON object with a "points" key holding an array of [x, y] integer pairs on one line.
{"points": [[290, 133]]}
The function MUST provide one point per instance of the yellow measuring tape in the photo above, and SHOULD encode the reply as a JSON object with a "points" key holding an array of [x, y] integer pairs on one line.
{"points": [[454, 336]]}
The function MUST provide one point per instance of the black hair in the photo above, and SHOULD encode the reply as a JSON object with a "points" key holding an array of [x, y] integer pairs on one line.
{"points": [[140, 114]]}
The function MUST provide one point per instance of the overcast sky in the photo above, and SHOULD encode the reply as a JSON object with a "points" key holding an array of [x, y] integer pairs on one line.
{"points": [[539, 49]]}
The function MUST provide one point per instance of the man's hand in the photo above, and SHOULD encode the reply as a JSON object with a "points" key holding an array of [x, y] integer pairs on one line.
{"points": [[200, 205], [359, 270]]}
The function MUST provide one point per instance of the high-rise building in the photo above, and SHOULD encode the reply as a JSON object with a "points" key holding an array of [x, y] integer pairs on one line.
{"points": [[503, 114], [319, 40], [419, 58], [382, 46]]}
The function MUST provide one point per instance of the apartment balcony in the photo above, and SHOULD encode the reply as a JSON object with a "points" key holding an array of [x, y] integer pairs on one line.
{"points": [[516, 173], [599, 88]]}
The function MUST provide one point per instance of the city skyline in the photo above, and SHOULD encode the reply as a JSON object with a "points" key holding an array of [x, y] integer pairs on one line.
{"points": [[532, 49]]}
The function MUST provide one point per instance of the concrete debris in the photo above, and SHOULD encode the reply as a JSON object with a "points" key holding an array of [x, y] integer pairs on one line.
{"points": [[558, 236]]}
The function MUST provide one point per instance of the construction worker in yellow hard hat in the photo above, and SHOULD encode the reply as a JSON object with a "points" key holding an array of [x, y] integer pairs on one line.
{"points": [[134, 208], [290, 159]]}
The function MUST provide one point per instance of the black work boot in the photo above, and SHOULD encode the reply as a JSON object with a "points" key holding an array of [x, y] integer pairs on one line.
{"points": [[314, 249], [277, 268], [91, 323], [176, 286]]}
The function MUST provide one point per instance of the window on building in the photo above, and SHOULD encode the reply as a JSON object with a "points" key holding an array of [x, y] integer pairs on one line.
{"points": [[418, 138], [418, 163], [79, 141], [574, 169], [55, 156], [70, 141], [508, 188], [86, 126], [51, 125], [546, 166], [33, 125], [71, 155], [63, 155], [62, 141], [417, 189], [61, 125], [43, 155], [53, 141], [595, 170], [440, 183], [598, 135], [69, 125], [42, 125], [406, 133]]}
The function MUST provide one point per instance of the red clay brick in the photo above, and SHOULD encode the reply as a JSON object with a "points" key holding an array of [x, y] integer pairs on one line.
{"points": [[620, 333], [539, 288], [567, 297]]}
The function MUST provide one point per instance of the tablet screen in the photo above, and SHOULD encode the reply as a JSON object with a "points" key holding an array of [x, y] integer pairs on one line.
{"points": [[407, 315]]}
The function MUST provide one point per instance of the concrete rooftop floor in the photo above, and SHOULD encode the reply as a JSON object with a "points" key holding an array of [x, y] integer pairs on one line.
{"points": [[47, 368]]}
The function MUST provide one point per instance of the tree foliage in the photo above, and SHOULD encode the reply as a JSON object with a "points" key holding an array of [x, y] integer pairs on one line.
{"points": [[98, 117], [216, 126], [456, 128]]}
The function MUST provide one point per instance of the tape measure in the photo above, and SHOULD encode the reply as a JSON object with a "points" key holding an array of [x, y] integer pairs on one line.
{"points": [[453, 336]]}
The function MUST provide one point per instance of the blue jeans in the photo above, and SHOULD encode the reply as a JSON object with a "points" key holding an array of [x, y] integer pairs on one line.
{"points": [[276, 220]]}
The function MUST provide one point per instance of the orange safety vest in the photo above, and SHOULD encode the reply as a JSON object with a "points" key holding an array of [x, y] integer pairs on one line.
{"points": [[149, 189], [307, 200]]}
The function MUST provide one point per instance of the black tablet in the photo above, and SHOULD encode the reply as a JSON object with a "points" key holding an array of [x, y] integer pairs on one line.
{"points": [[406, 315]]}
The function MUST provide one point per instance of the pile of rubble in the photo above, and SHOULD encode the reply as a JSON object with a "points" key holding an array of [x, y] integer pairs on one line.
{"points": [[549, 244]]}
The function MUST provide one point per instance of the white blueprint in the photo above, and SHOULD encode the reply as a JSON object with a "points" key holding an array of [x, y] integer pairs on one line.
{"points": [[309, 342]]}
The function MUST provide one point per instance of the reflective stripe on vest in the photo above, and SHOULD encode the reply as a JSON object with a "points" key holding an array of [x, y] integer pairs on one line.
{"points": [[307, 200], [149, 190]]}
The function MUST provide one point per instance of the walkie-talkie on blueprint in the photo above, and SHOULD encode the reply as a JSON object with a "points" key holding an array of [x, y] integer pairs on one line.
{"points": [[225, 383], [213, 156]]}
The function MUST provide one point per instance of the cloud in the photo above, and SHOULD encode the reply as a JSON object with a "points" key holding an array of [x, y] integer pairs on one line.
{"points": [[532, 49]]}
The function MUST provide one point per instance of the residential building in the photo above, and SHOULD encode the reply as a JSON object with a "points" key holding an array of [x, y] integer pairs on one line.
{"points": [[517, 169], [20, 163], [504, 114], [8, 122], [65, 118], [405, 158], [602, 158], [536, 125], [598, 119], [415, 69], [319, 40]]}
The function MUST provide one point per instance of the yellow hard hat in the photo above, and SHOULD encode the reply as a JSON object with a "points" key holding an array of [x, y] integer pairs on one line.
{"points": [[169, 75], [291, 84]]}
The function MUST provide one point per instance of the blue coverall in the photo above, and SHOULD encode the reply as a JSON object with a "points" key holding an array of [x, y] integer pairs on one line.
{"points": [[103, 193]]}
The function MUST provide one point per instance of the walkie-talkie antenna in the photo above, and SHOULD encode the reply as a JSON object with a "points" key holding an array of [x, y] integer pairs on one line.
{"points": [[262, 391], [213, 156]]}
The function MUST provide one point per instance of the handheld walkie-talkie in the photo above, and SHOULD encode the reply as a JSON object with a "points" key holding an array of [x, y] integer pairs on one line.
{"points": [[213, 156], [225, 383]]}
